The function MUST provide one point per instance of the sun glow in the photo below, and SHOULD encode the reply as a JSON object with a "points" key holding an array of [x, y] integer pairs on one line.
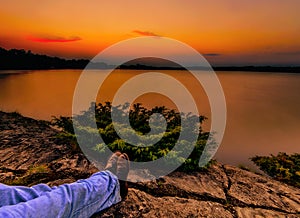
{"points": [[235, 32]]}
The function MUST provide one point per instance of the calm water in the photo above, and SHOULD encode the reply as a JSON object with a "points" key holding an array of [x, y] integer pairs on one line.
{"points": [[263, 114]]}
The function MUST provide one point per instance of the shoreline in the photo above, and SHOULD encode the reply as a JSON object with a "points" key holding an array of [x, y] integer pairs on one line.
{"points": [[250, 167], [243, 165], [248, 69]]}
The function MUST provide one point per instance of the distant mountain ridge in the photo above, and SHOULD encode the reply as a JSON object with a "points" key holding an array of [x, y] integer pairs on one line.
{"points": [[20, 59], [16, 59]]}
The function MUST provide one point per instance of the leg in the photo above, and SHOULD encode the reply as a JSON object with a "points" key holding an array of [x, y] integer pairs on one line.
{"points": [[80, 199], [11, 195]]}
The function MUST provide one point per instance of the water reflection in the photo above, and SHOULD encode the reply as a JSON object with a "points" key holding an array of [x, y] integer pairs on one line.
{"points": [[263, 108]]}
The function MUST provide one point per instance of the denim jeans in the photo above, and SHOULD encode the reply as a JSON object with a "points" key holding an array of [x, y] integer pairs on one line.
{"points": [[79, 199]]}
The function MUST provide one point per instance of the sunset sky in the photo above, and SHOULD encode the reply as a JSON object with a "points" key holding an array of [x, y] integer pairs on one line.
{"points": [[226, 32]]}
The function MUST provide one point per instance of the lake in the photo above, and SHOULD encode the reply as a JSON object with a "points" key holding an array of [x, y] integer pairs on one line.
{"points": [[263, 109]]}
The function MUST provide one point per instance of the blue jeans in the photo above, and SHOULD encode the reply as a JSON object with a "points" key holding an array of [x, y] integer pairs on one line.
{"points": [[79, 199]]}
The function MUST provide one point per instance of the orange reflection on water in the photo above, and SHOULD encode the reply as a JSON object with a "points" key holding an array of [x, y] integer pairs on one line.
{"points": [[262, 108], [38, 94]]}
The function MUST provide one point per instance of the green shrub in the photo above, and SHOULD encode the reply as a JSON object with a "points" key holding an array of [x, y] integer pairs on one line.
{"points": [[283, 167], [139, 118]]}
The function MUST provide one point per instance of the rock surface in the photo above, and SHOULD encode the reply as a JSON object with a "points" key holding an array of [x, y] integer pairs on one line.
{"points": [[31, 153], [26, 143]]}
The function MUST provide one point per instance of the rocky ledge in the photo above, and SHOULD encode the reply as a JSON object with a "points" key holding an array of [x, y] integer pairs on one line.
{"points": [[30, 153]]}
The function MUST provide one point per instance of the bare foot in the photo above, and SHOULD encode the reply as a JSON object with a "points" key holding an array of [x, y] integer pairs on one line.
{"points": [[112, 162]]}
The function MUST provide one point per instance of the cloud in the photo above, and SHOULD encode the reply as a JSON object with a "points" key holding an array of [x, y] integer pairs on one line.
{"points": [[212, 54], [145, 33], [47, 39]]}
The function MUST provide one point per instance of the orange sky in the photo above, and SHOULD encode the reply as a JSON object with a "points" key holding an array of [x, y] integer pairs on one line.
{"points": [[227, 32]]}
